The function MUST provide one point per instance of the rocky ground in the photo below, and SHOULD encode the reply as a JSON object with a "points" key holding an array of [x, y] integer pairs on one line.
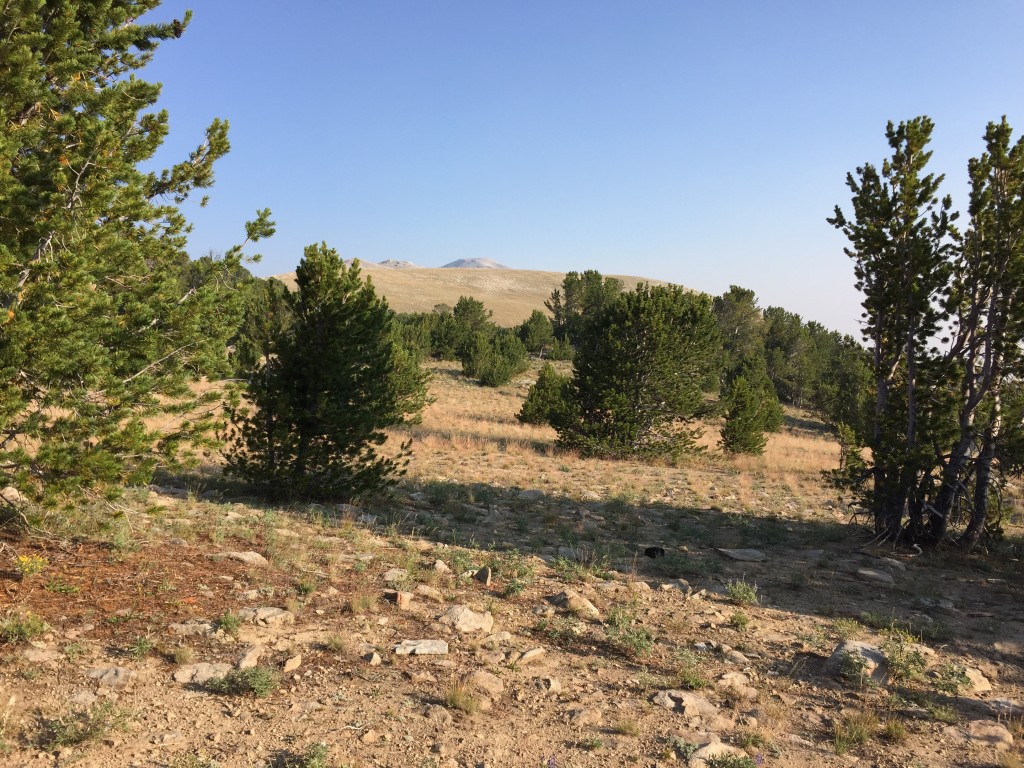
{"points": [[227, 634]]}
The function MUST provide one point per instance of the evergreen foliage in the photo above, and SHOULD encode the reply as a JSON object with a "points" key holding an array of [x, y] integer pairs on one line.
{"points": [[937, 430], [581, 297], [546, 400], [494, 356], [104, 321], [326, 386], [745, 418], [638, 369], [537, 333]]}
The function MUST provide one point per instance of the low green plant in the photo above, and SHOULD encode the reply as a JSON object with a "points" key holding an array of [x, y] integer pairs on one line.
{"points": [[182, 654], [315, 756], [951, 679], [306, 587], [730, 761], [140, 648], [846, 629], [689, 674], [83, 725], [592, 744], [943, 713], [894, 731], [27, 566], [60, 587], [620, 629], [21, 627], [739, 621], [229, 623], [853, 730], [853, 669], [627, 727], [460, 696], [258, 681], [740, 592], [904, 658], [197, 760]]}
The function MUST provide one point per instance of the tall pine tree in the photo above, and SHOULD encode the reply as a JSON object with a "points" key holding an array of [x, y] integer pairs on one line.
{"points": [[329, 384], [103, 321]]}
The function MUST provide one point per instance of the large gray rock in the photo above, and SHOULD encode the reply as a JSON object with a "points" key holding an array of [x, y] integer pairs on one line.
{"points": [[875, 577], [464, 619], [853, 658], [576, 604], [111, 677], [200, 673], [989, 733], [249, 558], [702, 757]]}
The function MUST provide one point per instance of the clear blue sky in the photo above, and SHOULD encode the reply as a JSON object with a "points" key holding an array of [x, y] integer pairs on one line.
{"points": [[698, 142]]}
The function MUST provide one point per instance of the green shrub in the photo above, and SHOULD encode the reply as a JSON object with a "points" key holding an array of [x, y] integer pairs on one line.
{"points": [[259, 681], [741, 593], [20, 628], [546, 400]]}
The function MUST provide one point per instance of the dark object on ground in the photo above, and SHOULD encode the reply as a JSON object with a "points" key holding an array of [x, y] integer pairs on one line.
{"points": [[655, 552]]}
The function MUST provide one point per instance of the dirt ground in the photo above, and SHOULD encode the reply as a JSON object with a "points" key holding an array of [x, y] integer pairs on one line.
{"points": [[573, 648]]}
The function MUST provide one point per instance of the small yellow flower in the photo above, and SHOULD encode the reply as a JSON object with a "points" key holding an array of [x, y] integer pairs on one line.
{"points": [[29, 565]]}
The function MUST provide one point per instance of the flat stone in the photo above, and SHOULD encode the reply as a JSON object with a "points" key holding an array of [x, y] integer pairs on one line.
{"points": [[429, 592], [373, 659], [422, 648], [739, 684], [440, 566], [463, 619], [41, 655], [989, 733], [530, 656], [200, 673], [531, 495], [487, 682], [395, 575], [292, 663], [1006, 708], [708, 752], [250, 657], [690, 705], [576, 604], [194, 628], [111, 677], [249, 558], [745, 555], [875, 577], [267, 617]]}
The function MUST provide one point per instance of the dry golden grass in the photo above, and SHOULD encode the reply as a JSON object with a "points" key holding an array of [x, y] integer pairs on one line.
{"points": [[512, 294], [469, 434]]}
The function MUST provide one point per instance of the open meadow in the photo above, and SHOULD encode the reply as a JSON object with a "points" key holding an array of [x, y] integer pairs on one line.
{"points": [[500, 609]]}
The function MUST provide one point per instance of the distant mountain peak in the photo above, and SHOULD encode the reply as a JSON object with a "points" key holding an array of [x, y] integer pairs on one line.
{"points": [[396, 264], [474, 264]]}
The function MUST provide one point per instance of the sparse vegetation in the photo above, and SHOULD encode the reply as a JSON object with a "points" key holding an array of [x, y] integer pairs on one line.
{"points": [[853, 730], [21, 627], [258, 681], [460, 696], [740, 592], [81, 726]]}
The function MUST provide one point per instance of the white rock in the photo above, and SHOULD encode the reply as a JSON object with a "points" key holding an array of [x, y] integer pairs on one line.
{"points": [[249, 558], [876, 577], [745, 555], [422, 648]]}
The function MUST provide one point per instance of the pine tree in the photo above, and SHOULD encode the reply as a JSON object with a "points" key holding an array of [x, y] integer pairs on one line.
{"points": [[104, 321], [638, 371], [901, 240], [744, 427], [331, 382], [546, 400]]}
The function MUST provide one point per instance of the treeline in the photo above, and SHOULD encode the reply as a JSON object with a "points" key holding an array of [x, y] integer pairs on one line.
{"points": [[736, 359]]}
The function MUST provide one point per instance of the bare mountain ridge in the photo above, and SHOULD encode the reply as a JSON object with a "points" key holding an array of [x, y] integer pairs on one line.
{"points": [[473, 264], [511, 294]]}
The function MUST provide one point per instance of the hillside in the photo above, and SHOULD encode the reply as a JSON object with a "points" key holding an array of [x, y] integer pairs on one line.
{"points": [[512, 294], [500, 610]]}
